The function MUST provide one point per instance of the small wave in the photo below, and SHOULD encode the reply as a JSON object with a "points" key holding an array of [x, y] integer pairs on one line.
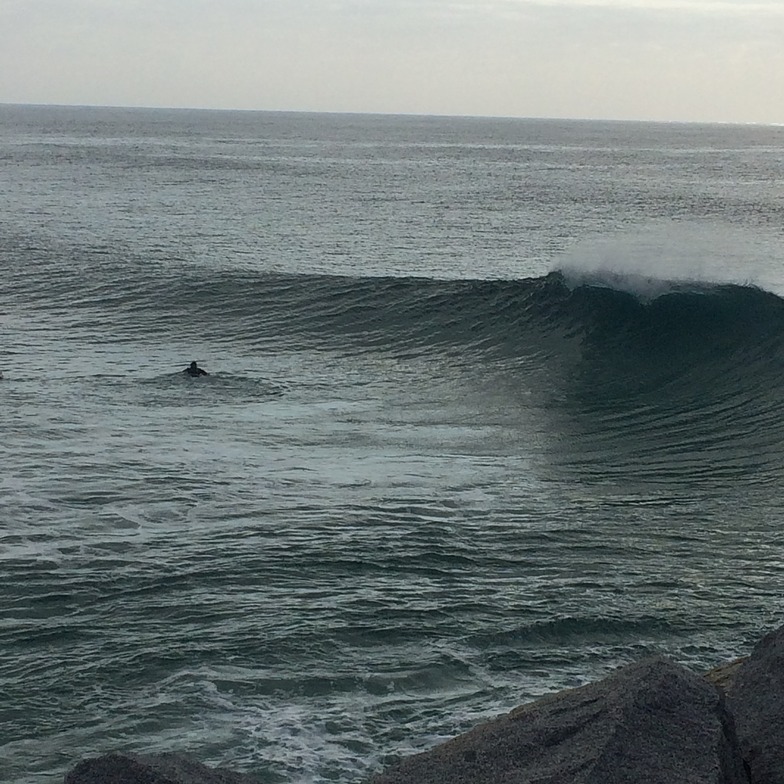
{"points": [[566, 629]]}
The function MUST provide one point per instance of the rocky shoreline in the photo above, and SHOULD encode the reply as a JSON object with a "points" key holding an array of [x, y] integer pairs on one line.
{"points": [[651, 722]]}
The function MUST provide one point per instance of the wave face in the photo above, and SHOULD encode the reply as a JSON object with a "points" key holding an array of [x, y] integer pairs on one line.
{"points": [[642, 372], [652, 327], [685, 383], [604, 311]]}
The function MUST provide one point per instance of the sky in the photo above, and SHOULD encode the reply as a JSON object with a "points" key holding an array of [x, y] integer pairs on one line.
{"points": [[670, 60]]}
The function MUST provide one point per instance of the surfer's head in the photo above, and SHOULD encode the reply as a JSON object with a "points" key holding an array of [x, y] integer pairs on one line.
{"points": [[194, 370]]}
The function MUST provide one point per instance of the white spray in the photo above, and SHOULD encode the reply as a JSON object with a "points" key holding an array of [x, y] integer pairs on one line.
{"points": [[658, 257]]}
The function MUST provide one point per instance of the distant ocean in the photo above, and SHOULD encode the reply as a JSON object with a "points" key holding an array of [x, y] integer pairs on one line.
{"points": [[494, 407]]}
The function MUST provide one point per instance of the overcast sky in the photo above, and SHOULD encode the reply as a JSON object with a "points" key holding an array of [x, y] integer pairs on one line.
{"points": [[693, 60]]}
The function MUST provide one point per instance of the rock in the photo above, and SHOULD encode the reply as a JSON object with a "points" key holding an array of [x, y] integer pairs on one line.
{"points": [[723, 676], [652, 722], [756, 699], [151, 769]]}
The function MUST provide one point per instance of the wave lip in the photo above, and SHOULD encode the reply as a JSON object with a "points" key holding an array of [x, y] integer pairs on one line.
{"points": [[643, 287]]}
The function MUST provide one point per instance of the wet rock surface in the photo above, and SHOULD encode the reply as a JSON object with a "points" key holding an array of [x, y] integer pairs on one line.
{"points": [[653, 722], [756, 699], [151, 769]]}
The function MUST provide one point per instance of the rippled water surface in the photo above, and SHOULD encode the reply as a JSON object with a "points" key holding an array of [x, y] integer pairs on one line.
{"points": [[493, 407]]}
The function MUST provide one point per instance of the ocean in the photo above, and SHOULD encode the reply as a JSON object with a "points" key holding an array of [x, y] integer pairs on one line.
{"points": [[494, 406]]}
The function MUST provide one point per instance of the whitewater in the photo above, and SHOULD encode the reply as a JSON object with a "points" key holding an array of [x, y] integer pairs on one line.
{"points": [[494, 406]]}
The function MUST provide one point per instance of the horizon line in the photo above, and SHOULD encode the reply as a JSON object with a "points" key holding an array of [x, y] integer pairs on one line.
{"points": [[359, 113]]}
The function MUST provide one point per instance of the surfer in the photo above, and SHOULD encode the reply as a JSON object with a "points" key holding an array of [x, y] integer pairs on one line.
{"points": [[194, 370]]}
